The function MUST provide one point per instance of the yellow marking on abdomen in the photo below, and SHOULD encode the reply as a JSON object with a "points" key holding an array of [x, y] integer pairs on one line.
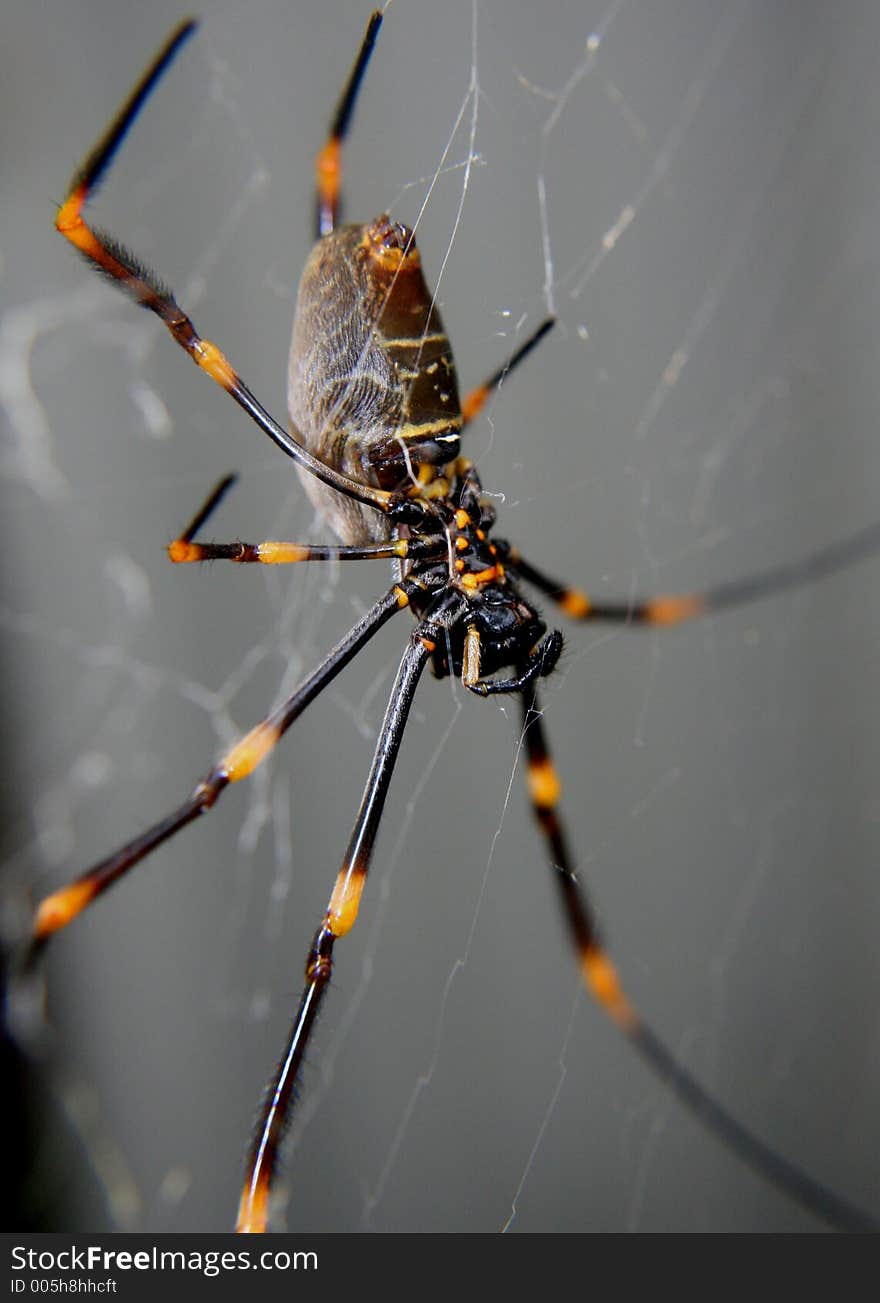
{"points": [[415, 341], [411, 431]]}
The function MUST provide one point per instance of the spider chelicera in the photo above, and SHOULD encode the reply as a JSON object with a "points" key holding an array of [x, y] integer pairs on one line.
{"points": [[375, 425]]}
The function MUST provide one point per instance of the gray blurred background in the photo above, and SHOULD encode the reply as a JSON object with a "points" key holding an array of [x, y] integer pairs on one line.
{"points": [[698, 192]]}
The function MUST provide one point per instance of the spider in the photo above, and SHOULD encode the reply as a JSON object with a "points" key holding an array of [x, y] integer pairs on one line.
{"points": [[386, 468]]}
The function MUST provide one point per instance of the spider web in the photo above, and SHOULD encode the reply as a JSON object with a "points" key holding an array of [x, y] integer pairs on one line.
{"points": [[694, 189]]}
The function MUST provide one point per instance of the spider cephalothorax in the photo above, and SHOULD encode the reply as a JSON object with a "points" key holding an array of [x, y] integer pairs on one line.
{"points": [[483, 621]]}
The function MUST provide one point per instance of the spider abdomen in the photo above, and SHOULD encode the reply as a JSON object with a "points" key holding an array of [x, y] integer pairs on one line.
{"points": [[372, 388]]}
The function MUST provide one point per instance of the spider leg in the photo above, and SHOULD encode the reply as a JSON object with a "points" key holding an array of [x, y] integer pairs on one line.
{"points": [[184, 549], [276, 552], [120, 265], [475, 401], [328, 164], [603, 984], [675, 608], [62, 906], [208, 507], [338, 920]]}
